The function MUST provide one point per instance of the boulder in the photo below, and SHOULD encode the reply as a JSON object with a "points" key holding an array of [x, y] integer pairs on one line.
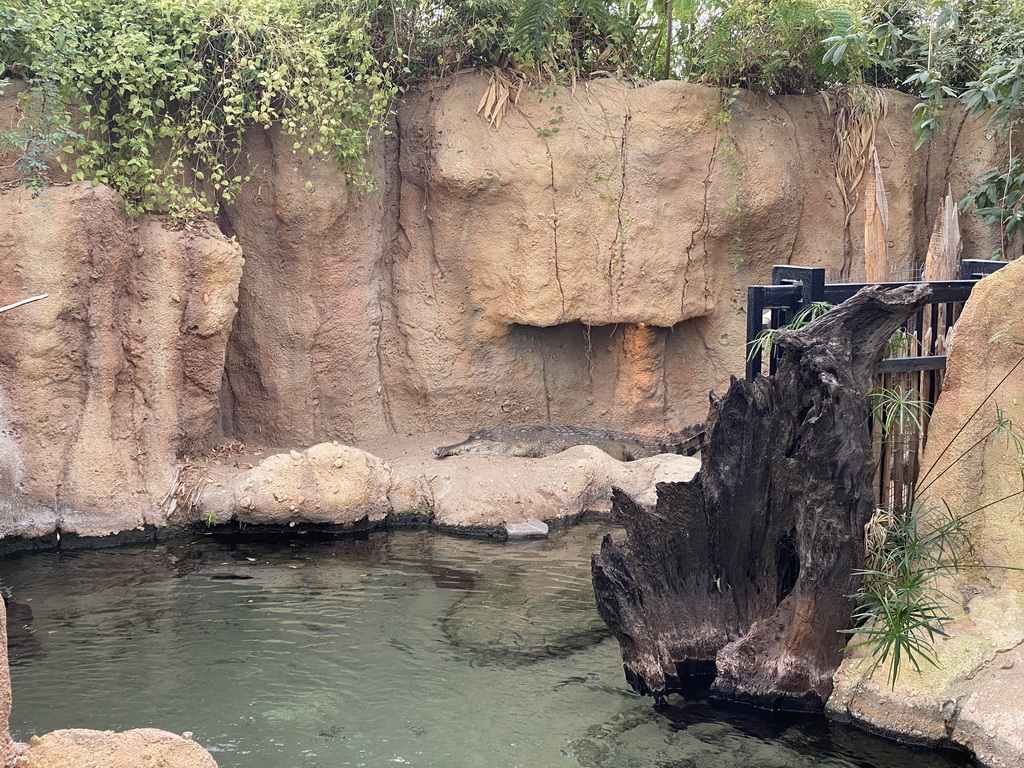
{"points": [[139, 748], [328, 483]]}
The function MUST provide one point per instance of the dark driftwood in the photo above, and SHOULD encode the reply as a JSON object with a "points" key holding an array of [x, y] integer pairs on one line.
{"points": [[744, 570]]}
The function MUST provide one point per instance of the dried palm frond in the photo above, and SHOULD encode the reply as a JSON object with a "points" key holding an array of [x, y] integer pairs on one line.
{"points": [[943, 257], [876, 226], [855, 115], [502, 89]]}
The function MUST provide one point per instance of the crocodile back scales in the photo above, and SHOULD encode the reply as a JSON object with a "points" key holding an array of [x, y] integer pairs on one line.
{"points": [[538, 441]]}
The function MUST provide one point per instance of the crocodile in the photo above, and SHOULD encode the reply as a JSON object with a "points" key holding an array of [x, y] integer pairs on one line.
{"points": [[538, 441]]}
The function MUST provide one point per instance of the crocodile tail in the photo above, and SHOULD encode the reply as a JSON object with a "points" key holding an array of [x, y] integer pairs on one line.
{"points": [[688, 441]]}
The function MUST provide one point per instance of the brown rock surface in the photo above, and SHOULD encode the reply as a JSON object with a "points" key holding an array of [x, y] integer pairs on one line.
{"points": [[593, 276], [500, 277], [972, 697], [103, 383]]}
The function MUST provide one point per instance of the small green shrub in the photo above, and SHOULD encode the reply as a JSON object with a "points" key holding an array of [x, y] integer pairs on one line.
{"points": [[899, 611], [900, 606]]}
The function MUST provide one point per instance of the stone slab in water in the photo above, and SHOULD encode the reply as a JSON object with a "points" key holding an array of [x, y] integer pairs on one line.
{"points": [[531, 529]]}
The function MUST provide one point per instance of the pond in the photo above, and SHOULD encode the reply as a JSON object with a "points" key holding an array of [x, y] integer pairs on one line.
{"points": [[396, 648]]}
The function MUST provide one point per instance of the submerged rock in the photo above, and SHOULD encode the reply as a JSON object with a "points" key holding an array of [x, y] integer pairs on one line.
{"points": [[531, 529]]}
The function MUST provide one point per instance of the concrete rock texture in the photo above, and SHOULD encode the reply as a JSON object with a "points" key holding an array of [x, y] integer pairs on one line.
{"points": [[972, 697], [105, 382], [139, 748], [593, 276]]}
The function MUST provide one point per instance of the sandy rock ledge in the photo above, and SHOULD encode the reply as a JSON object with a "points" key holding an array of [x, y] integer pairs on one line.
{"points": [[335, 484]]}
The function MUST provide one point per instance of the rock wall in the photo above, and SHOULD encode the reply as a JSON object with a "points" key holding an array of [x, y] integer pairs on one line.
{"points": [[585, 263], [104, 384], [595, 275]]}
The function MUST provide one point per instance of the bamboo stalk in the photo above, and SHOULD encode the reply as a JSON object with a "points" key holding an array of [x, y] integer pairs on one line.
{"points": [[24, 301]]}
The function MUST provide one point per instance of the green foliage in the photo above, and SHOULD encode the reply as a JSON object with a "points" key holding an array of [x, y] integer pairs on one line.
{"points": [[772, 46], [41, 132], [900, 607], [997, 193], [897, 409], [545, 37], [765, 340], [971, 50], [899, 612], [161, 92]]}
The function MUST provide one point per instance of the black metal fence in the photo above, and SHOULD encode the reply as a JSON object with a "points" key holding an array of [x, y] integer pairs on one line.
{"points": [[915, 362]]}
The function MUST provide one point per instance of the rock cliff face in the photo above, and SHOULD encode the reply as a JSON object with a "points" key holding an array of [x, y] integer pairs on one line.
{"points": [[106, 382], [593, 275]]}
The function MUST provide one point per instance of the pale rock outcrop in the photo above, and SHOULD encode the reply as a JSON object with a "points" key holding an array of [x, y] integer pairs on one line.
{"points": [[340, 485], [105, 382], [488, 491], [327, 483], [972, 697]]}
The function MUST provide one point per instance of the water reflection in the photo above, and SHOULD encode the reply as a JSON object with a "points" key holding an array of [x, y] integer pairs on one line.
{"points": [[403, 648]]}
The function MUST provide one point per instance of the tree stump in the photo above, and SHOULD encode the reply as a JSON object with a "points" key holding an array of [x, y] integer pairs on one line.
{"points": [[744, 571]]}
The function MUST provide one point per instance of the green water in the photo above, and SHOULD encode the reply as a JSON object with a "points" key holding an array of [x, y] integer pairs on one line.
{"points": [[403, 648]]}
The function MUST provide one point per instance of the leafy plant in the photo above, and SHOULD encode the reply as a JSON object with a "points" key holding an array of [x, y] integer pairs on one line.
{"points": [[210, 519], [900, 607], [39, 133], [763, 343], [155, 97], [898, 611], [897, 408], [773, 46]]}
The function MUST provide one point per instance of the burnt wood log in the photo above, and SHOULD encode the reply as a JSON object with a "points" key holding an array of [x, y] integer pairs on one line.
{"points": [[744, 571]]}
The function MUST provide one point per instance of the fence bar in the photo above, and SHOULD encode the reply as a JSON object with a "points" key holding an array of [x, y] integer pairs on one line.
{"points": [[978, 268], [909, 364], [917, 364]]}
